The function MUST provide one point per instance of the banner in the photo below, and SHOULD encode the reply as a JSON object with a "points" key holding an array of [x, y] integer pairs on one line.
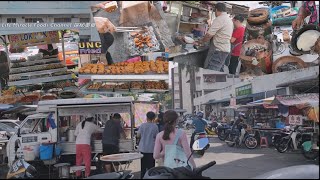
{"points": [[90, 47], [140, 113], [33, 39]]}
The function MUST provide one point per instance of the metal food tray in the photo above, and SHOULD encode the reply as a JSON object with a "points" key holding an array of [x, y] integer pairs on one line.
{"points": [[135, 51]]}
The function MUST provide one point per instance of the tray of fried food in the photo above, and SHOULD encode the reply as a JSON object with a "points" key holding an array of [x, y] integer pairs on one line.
{"points": [[122, 87], [156, 86], [137, 86], [92, 69], [107, 87], [94, 86]]}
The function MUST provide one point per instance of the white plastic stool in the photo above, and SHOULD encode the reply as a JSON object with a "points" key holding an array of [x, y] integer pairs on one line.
{"points": [[74, 169]]}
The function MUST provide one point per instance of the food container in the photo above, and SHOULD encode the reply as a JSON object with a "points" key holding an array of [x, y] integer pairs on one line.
{"points": [[188, 40], [67, 94]]}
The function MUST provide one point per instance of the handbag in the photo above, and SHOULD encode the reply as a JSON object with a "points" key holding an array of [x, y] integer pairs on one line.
{"points": [[174, 154]]}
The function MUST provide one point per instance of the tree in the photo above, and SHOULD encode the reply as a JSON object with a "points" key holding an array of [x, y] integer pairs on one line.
{"points": [[190, 69], [163, 98]]}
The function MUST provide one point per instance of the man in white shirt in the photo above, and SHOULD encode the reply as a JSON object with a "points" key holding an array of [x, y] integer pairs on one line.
{"points": [[220, 32]]}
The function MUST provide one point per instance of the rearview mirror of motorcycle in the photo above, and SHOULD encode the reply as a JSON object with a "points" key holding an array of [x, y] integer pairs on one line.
{"points": [[200, 144]]}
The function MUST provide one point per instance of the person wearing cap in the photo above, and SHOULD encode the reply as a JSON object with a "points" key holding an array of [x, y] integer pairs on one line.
{"points": [[111, 138], [199, 125], [83, 131]]}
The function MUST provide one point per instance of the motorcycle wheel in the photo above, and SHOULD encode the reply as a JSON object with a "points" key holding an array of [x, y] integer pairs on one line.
{"points": [[310, 155], [221, 135], [230, 140], [251, 142], [283, 145]]}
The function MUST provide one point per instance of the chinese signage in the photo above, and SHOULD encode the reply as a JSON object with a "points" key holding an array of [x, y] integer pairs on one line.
{"points": [[295, 120], [89, 47], [32, 39], [244, 90]]}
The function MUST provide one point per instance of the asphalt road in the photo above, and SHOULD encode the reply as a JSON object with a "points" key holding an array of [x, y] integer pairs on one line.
{"points": [[236, 163], [241, 163]]}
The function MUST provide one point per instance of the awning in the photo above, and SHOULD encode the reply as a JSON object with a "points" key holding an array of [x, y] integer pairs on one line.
{"points": [[306, 81], [297, 99], [5, 106], [213, 101]]}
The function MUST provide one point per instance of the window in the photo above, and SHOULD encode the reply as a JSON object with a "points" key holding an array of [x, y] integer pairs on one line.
{"points": [[221, 78], [33, 20], [84, 20], [62, 20], [11, 20], [209, 78], [34, 126]]}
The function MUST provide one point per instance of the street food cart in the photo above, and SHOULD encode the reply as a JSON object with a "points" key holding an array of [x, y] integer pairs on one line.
{"points": [[57, 118]]}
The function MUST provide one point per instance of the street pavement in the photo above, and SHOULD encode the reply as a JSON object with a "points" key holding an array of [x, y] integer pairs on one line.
{"points": [[237, 163], [240, 163]]}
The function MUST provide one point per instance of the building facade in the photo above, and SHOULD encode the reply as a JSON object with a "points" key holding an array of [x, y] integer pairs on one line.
{"points": [[31, 16]]}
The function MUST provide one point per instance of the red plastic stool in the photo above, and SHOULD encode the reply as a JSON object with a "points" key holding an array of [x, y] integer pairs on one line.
{"points": [[264, 142]]}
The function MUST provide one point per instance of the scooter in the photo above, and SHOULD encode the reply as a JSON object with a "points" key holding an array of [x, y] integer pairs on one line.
{"points": [[293, 141], [163, 172], [222, 131], [249, 140], [20, 169], [200, 136]]}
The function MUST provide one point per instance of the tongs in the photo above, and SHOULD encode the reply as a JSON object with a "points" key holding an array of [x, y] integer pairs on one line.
{"points": [[130, 29]]}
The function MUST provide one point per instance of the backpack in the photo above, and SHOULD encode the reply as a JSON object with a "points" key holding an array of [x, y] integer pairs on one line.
{"points": [[174, 154]]}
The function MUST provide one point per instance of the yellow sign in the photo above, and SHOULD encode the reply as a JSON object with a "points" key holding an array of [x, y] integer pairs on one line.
{"points": [[33, 39]]}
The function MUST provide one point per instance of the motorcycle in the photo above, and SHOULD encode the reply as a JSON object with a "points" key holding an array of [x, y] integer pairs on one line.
{"points": [[294, 140], [222, 131], [20, 169], [162, 172], [276, 138], [233, 139]]}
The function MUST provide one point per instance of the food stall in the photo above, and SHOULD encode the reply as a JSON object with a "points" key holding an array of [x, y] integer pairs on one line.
{"points": [[36, 71], [55, 123]]}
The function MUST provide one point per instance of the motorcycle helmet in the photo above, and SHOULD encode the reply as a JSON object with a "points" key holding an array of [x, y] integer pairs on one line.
{"points": [[160, 172], [200, 114]]}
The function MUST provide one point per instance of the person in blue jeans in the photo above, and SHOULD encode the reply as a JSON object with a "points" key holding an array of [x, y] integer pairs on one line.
{"points": [[200, 124]]}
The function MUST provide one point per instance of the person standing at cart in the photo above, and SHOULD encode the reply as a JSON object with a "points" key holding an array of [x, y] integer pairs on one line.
{"points": [[220, 32], [147, 134], [236, 43], [83, 131], [48, 49], [111, 138]]}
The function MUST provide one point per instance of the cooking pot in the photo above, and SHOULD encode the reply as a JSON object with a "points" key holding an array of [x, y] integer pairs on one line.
{"points": [[296, 35]]}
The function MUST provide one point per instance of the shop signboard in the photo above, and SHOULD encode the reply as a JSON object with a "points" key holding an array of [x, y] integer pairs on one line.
{"points": [[295, 120], [92, 47], [33, 39], [244, 90]]}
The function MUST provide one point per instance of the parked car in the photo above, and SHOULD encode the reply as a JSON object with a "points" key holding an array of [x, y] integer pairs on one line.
{"points": [[9, 130], [12, 123]]}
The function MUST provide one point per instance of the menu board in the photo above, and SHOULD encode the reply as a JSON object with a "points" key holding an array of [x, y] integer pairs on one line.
{"points": [[33, 39]]}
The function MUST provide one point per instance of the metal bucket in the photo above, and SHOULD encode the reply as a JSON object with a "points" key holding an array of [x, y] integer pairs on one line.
{"points": [[71, 136]]}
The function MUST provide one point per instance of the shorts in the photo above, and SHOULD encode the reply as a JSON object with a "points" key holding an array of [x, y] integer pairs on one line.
{"points": [[110, 149]]}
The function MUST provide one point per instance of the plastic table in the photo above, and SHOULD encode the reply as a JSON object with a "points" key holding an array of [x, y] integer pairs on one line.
{"points": [[118, 159]]}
